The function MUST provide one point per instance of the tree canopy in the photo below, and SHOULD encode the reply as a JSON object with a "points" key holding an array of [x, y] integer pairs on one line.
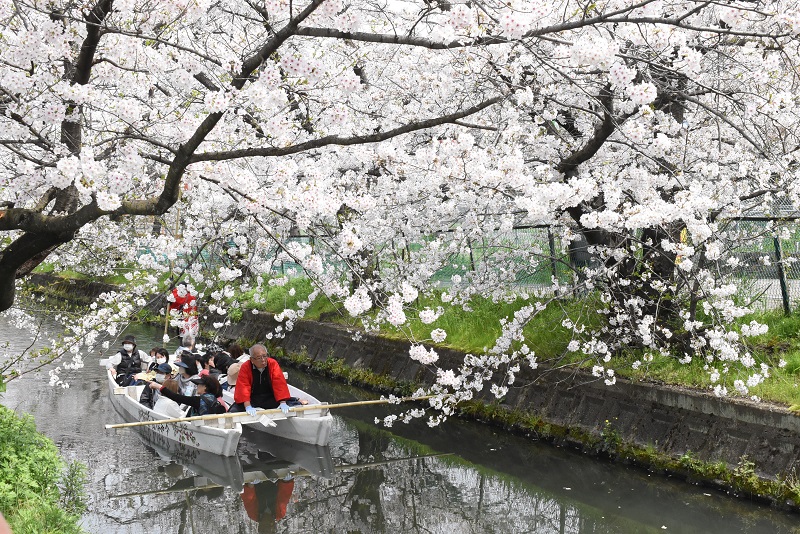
{"points": [[394, 135]]}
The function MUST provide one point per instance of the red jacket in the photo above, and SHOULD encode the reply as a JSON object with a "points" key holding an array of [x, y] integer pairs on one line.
{"points": [[186, 304], [244, 383]]}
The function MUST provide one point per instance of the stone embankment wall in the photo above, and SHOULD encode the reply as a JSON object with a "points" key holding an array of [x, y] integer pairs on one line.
{"points": [[673, 420], [73, 292]]}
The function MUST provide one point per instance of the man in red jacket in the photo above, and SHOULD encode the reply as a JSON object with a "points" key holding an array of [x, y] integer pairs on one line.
{"points": [[260, 384]]}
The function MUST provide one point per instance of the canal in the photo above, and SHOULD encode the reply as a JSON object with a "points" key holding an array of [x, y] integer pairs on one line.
{"points": [[460, 477]]}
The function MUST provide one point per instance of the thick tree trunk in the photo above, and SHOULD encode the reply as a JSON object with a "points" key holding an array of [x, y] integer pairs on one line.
{"points": [[22, 256], [659, 265]]}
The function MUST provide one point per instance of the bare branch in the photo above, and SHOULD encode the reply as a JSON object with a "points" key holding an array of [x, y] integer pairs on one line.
{"points": [[344, 141]]}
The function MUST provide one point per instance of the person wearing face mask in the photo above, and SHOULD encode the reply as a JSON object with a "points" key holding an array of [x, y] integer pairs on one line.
{"points": [[187, 369], [159, 355], [127, 362], [150, 396]]}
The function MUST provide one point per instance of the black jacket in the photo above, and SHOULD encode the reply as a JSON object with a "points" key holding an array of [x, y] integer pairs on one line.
{"points": [[201, 405], [130, 364]]}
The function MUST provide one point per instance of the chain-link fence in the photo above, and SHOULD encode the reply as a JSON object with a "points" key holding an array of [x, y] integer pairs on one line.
{"points": [[764, 264]]}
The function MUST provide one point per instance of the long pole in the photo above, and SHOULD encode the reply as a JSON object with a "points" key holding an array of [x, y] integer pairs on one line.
{"points": [[787, 309], [165, 338], [273, 411]]}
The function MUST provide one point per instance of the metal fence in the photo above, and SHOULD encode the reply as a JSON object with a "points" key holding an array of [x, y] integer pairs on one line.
{"points": [[766, 272], [767, 253]]}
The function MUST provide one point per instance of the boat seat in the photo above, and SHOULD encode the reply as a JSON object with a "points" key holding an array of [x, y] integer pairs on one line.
{"points": [[221, 423], [134, 392]]}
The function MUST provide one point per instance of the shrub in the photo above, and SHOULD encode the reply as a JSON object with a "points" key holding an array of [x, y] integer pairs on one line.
{"points": [[31, 472]]}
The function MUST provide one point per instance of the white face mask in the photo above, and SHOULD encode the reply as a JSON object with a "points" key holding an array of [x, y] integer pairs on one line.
{"points": [[160, 378], [161, 359], [128, 347]]}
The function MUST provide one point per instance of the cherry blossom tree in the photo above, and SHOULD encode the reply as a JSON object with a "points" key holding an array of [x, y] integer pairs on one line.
{"points": [[397, 135]]}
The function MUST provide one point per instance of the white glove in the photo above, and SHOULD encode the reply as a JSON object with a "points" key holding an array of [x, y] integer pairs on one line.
{"points": [[251, 410], [284, 408]]}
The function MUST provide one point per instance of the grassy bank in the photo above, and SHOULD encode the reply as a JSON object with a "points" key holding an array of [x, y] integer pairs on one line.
{"points": [[39, 493], [475, 329]]}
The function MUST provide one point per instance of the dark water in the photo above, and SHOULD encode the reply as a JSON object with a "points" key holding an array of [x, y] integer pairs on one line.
{"points": [[458, 478]]}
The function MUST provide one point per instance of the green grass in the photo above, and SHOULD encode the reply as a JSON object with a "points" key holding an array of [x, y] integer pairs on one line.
{"points": [[118, 277], [471, 331], [475, 330], [779, 343]]}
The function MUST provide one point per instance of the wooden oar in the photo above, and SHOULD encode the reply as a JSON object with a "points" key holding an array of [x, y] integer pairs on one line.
{"points": [[273, 411], [353, 467]]}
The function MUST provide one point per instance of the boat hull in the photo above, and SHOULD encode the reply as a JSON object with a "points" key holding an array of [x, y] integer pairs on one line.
{"points": [[222, 440], [309, 426]]}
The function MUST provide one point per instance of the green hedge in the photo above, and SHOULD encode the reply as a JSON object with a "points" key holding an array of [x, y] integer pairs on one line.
{"points": [[39, 493]]}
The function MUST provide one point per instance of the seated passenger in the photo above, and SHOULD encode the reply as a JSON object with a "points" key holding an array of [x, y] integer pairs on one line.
{"points": [[187, 369], [236, 352], [205, 402], [262, 384], [165, 405], [217, 363], [153, 352], [202, 361], [220, 361], [187, 344], [233, 373], [150, 396], [126, 363], [160, 355]]}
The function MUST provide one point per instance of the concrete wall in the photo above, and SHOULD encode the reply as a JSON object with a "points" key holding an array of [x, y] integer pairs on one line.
{"points": [[671, 419]]}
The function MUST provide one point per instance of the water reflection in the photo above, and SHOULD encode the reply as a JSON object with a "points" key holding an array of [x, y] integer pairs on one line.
{"points": [[457, 478], [262, 475]]}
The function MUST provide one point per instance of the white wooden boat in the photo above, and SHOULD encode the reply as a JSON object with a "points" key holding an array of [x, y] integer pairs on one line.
{"points": [[217, 436], [311, 425]]}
